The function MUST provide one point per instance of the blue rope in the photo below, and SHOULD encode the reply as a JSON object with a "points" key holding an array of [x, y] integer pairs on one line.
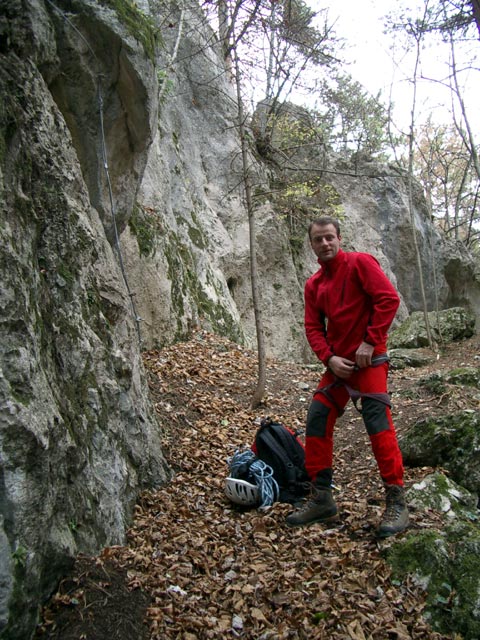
{"points": [[261, 474]]}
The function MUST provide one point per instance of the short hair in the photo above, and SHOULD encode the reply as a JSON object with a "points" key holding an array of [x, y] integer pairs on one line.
{"points": [[322, 222]]}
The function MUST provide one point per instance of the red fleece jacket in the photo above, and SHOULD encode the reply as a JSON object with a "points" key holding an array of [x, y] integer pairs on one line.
{"points": [[347, 301]]}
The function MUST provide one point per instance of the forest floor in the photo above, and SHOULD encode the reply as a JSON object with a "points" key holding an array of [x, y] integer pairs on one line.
{"points": [[195, 566]]}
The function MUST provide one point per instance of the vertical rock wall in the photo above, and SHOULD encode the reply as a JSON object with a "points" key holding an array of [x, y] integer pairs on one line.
{"points": [[78, 435]]}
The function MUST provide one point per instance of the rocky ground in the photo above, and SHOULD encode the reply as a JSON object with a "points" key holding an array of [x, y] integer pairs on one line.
{"points": [[195, 566]]}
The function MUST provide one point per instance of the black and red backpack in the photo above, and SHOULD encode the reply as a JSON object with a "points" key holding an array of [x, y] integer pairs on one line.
{"points": [[282, 450]]}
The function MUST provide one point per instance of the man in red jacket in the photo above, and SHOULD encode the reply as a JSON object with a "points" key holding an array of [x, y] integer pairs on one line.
{"points": [[349, 306]]}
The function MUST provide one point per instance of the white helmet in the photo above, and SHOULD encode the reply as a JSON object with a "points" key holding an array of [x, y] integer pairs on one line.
{"points": [[241, 492]]}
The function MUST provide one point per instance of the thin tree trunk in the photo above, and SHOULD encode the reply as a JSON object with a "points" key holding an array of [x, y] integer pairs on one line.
{"points": [[476, 13], [259, 392], [173, 56], [272, 36], [411, 138], [468, 139], [224, 33]]}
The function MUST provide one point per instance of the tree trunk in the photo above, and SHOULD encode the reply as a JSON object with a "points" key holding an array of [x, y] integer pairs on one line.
{"points": [[410, 194], [476, 13], [259, 392]]}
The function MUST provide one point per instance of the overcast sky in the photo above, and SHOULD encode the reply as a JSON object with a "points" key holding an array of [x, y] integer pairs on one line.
{"points": [[361, 23]]}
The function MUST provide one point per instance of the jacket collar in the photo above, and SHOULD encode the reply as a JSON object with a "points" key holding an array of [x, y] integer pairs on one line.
{"points": [[332, 265]]}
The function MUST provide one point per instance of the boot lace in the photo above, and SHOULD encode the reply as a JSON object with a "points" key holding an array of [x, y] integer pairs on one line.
{"points": [[394, 507]]}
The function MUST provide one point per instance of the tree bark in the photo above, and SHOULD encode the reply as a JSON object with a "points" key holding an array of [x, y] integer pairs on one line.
{"points": [[476, 13], [259, 392]]}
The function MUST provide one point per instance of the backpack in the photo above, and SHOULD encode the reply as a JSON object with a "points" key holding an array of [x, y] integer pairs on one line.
{"points": [[280, 448]]}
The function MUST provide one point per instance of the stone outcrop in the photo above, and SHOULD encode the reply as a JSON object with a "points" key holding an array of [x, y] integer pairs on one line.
{"points": [[116, 206], [443, 562], [189, 245], [78, 435], [451, 442], [455, 323]]}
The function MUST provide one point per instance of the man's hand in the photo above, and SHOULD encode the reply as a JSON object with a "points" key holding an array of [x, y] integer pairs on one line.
{"points": [[341, 367], [363, 355]]}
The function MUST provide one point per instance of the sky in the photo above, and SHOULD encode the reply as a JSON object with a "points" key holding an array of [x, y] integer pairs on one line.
{"points": [[368, 49]]}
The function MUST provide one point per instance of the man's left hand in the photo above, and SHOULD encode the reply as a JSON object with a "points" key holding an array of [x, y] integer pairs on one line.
{"points": [[363, 355]]}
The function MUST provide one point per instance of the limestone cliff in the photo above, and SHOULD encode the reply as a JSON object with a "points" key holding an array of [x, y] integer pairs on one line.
{"points": [[115, 206], [78, 435], [189, 261]]}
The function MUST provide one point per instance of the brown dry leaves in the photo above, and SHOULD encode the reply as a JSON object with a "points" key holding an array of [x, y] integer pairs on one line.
{"points": [[214, 571]]}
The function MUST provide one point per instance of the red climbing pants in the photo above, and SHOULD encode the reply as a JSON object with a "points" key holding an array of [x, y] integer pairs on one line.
{"points": [[324, 411]]}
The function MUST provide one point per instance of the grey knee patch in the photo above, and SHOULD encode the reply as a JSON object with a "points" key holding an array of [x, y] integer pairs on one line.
{"points": [[374, 415], [317, 419]]}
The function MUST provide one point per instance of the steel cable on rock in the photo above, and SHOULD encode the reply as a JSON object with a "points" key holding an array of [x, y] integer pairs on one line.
{"points": [[131, 295]]}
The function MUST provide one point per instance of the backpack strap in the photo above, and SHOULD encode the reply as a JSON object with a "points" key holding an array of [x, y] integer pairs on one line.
{"points": [[283, 433]]}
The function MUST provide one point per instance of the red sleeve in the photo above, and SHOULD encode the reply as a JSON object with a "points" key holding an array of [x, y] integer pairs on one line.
{"points": [[385, 299], [315, 328]]}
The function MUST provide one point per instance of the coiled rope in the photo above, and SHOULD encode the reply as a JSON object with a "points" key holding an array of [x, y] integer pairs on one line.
{"points": [[246, 462]]}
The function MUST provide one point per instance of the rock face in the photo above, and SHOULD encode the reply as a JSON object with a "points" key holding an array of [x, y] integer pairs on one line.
{"points": [[376, 204], [451, 442], [195, 269], [188, 252], [88, 156], [78, 435], [455, 323]]}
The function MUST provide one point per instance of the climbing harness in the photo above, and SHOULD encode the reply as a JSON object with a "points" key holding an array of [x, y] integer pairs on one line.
{"points": [[354, 394]]}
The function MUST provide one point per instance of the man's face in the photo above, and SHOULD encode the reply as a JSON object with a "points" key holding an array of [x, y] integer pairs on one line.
{"points": [[325, 242]]}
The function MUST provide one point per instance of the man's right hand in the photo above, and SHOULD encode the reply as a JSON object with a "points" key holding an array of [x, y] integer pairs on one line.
{"points": [[341, 367]]}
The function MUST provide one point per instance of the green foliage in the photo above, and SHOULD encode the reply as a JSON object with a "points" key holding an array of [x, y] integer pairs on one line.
{"points": [[299, 202], [296, 28], [357, 120], [140, 26], [295, 136], [145, 226], [443, 17], [19, 557], [435, 384]]}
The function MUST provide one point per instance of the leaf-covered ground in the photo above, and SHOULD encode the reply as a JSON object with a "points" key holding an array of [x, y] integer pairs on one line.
{"points": [[195, 566]]}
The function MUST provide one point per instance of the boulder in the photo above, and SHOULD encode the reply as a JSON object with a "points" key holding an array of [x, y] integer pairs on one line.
{"points": [[446, 564], [440, 493], [448, 325], [404, 358], [451, 442]]}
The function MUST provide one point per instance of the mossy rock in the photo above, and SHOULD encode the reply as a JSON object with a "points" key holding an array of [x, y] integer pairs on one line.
{"points": [[140, 25], [438, 383], [467, 376], [434, 383], [403, 358], [440, 493], [447, 565], [451, 442], [447, 325]]}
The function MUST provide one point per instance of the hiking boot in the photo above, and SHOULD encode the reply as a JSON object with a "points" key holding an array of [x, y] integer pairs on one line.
{"points": [[395, 516], [320, 507]]}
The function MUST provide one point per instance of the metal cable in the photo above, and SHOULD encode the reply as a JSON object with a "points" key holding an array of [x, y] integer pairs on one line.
{"points": [[131, 295]]}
